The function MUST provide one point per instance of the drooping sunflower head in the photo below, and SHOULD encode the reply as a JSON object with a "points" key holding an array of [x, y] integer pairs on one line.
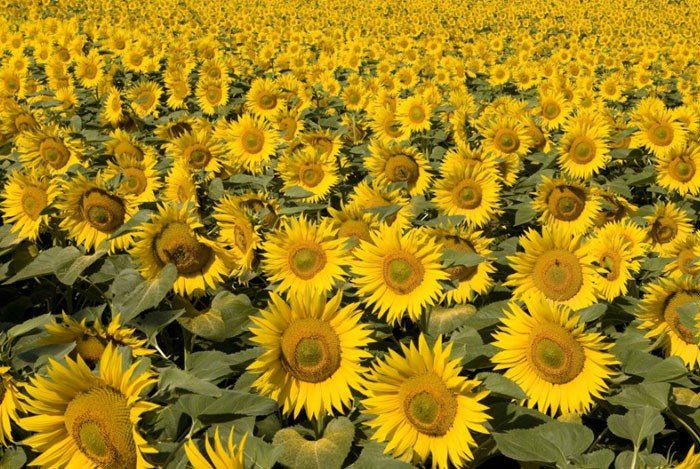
{"points": [[390, 164], [91, 420], [313, 349], [171, 238], [418, 401], [260, 206], [558, 365], [565, 205], [554, 267], [92, 213]]}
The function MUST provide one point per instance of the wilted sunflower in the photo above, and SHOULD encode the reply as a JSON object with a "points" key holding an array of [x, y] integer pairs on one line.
{"points": [[83, 420], [394, 163], [10, 405], [310, 170], [91, 341], [583, 148], [686, 257], [680, 170], [264, 98], [144, 98], [616, 262], [668, 224], [237, 233], [566, 206], [138, 179], [48, 150], [470, 280], [398, 273], [218, 456], [659, 313], [170, 238], [251, 142], [313, 349], [549, 355], [419, 402], [554, 266], [470, 191], [25, 196], [91, 213], [197, 151], [304, 256]]}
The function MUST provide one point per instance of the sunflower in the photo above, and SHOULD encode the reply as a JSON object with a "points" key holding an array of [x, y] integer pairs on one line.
{"points": [[170, 238], [264, 98], [144, 98], [304, 257], [382, 205], [237, 233], [555, 267], [10, 405], [262, 208], [180, 186], [553, 109], [83, 420], [616, 262], [668, 224], [91, 213], [177, 88], [138, 179], [25, 197], [385, 125], [113, 112], [566, 206], [351, 222], [632, 234], [659, 314], [389, 164], [680, 170], [559, 365], [197, 150], [324, 141], [457, 158], [313, 349], [288, 124], [90, 342], [659, 132], [122, 143], [311, 170], [89, 69], [251, 142], [212, 94], [691, 460], [48, 149], [470, 280], [583, 148], [220, 457], [686, 257], [398, 273], [469, 191], [414, 114], [16, 118], [418, 402], [505, 136]]}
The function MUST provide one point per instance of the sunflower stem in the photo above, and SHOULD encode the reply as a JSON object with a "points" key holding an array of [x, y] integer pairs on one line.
{"points": [[319, 426]]}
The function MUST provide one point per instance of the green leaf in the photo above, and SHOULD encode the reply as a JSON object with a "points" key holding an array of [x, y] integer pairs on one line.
{"points": [[499, 384], [175, 379], [637, 424], [373, 457], [131, 297], [14, 458], [216, 189], [47, 262], [239, 403], [687, 313], [29, 325], [644, 460], [383, 211], [446, 320], [455, 257], [552, 442], [600, 459], [134, 222], [524, 214], [328, 452], [654, 395], [593, 312], [227, 317], [69, 273], [297, 192], [211, 365], [652, 368]]}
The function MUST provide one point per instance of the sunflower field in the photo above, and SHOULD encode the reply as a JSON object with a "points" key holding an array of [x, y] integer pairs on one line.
{"points": [[340, 233]]}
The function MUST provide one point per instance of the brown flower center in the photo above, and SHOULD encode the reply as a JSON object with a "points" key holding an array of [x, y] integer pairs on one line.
{"points": [[177, 245]]}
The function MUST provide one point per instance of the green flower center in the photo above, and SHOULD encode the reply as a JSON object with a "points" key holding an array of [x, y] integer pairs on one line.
{"points": [[307, 260]]}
